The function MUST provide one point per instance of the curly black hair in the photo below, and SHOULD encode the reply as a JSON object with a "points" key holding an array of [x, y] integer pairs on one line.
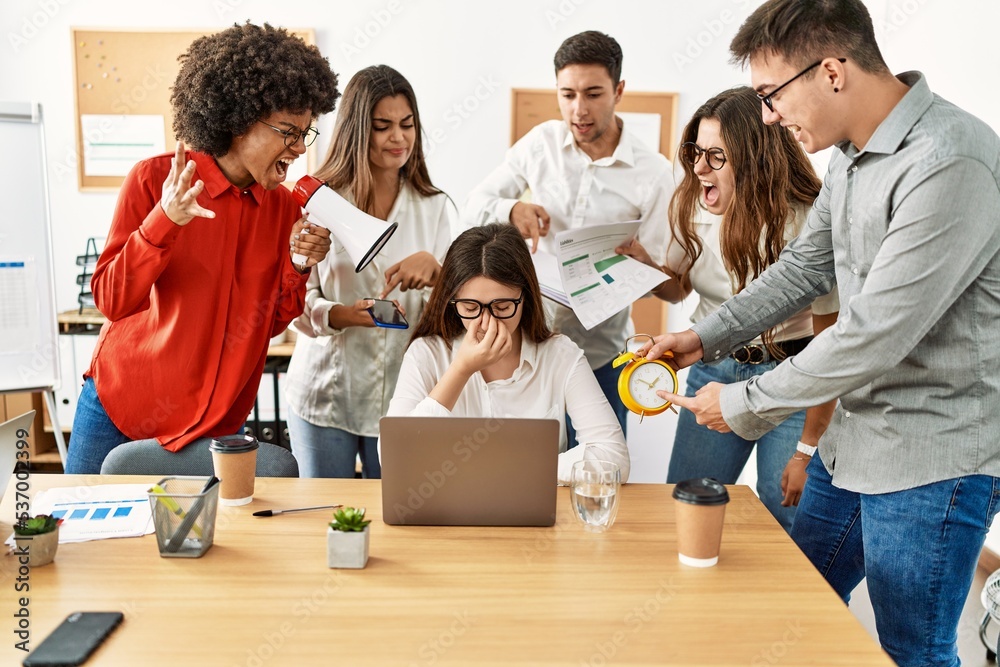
{"points": [[231, 79]]}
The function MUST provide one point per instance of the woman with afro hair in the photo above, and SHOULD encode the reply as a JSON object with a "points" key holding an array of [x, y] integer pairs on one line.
{"points": [[196, 274]]}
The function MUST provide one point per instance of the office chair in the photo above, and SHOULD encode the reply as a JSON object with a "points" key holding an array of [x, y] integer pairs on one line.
{"points": [[148, 457]]}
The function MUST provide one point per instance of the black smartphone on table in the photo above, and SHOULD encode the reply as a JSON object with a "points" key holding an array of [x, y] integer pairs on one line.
{"points": [[385, 314], [75, 639]]}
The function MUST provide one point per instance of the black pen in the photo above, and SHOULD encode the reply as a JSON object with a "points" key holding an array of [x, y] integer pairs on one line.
{"points": [[301, 509]]}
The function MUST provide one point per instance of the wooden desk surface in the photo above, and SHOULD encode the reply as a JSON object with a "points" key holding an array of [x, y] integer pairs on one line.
{"points": [[446, 596]]}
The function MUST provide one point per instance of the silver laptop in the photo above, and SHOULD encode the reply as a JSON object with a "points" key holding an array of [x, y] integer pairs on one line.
{"points": [[10, 432], [452, 471]]}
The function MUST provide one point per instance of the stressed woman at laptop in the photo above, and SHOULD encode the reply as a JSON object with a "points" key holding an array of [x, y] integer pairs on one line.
{"points": [[482, 349]]}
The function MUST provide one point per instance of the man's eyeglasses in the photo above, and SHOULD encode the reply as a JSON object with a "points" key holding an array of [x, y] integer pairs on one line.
{"points": [[293, 135], [766, 99], [502, 309], [691, 152]]}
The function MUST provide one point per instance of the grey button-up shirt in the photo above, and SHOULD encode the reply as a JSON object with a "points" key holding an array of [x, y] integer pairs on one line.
{"points": [[909, 228]]}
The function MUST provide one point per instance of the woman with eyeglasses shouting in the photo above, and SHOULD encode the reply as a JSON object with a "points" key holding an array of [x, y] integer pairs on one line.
{"points": [[344, 369], [746, 190], [482, 349], [196, 274]]}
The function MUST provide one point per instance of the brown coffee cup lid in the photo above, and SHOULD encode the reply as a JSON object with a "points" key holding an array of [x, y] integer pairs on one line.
{"points": [[701, 491], [233, 444]]}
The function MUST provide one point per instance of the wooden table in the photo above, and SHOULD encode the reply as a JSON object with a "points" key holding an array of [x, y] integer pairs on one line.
{"points": [[446, 596]]}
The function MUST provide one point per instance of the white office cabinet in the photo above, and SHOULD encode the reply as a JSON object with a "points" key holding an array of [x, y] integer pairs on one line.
{"points": [[67, 394]]}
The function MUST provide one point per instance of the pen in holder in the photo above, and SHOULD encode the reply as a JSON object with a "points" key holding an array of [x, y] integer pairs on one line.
{"points": [[184, 510]]}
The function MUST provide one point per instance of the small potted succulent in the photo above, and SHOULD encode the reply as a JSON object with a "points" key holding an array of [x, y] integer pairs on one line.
{"points": [[38, 537], [347, 539]]}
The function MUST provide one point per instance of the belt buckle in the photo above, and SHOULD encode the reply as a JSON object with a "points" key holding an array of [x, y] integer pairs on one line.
{"points": [[750, 354]]}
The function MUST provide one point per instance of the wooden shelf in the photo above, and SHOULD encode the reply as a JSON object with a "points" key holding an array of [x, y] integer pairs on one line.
{"points": [[91, 319], [47, 457]]}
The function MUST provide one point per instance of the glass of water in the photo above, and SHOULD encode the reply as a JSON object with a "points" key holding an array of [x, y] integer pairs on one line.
{"points": [[593, 493]]}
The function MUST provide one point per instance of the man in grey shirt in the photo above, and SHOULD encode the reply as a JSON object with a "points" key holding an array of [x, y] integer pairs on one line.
{"points": [[907, 225]]}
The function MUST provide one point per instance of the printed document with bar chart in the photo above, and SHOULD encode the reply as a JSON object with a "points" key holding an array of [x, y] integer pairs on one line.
{"points": [[587, 276], [97, 512]]}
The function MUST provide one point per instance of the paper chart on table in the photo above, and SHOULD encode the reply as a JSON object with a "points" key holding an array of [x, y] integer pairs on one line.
{"points": [[97, 512], [595, 282]]}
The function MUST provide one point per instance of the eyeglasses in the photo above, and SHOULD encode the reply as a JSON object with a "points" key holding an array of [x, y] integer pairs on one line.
{"points": [[502, 309], [766, 99], [691, 152], [293, 135]]}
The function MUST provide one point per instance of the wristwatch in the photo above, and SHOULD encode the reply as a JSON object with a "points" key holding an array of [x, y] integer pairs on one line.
{"points": [[802, 447]]}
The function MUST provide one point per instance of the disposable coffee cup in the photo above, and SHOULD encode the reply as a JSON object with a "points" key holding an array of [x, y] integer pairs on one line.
{"points": [[700, 508], [235, 461]]}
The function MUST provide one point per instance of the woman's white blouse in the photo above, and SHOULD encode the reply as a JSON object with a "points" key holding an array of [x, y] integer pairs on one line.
{"points": [[552, 379], [713, 283], [344, 378]]}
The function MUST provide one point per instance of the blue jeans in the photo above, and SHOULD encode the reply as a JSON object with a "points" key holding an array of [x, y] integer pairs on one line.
{"points": [[699, 452], [93, 435], [331, 452], [607, 378], [918, 548]]}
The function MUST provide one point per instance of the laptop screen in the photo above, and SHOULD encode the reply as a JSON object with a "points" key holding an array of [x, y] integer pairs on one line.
{"points": [[451, 471]]}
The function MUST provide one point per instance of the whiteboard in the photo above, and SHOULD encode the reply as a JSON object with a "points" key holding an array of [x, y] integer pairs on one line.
{"points": [[29, 344]]}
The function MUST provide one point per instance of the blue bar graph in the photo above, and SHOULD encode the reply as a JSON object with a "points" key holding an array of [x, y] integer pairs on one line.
{"points": [[79, 514], [100, 513], [58, 514], [122, 511]]}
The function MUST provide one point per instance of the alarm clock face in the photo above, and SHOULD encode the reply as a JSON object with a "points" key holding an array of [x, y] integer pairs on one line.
{"points": [[646, 380]]}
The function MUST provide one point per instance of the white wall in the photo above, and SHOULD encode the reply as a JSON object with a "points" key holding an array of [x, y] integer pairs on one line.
{"points": [[463, 57], [454, 50]]}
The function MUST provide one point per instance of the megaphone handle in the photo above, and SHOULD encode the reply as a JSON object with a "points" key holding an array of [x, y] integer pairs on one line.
{"points": [[298, 258]]}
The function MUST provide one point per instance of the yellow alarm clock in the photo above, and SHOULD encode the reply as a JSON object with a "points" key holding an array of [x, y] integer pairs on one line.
{"points": [[642, 378]]}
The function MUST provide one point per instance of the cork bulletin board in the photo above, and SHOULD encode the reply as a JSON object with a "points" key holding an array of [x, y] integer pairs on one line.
{"points": [[122, 83], [531, 107]]}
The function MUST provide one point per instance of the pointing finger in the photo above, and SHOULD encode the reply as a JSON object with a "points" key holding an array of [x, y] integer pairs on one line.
{"points": [[677, 399]]}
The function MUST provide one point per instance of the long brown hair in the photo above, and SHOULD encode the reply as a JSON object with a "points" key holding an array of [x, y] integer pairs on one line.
{"points": [[495, 251], [771, 173], [346, 165]]}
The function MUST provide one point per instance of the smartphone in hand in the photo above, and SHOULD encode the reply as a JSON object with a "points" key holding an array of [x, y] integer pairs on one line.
{"points": [[74, 640], [385, 314]]}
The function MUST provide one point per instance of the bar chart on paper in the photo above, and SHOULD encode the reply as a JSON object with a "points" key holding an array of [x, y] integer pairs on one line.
{"points": [[97, 512]]}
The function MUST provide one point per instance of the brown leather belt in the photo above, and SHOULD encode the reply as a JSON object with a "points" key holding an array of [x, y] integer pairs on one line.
{"points": [[757, 354]]}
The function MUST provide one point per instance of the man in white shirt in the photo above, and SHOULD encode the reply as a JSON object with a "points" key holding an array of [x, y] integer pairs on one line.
{"points": [[586, 169]]}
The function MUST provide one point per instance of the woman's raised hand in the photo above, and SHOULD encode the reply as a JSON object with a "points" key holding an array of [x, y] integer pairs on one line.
{"points": [[179, 199]]}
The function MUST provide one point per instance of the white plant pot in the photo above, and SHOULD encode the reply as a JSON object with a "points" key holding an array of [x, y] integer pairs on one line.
{"points": [[346, 550]]}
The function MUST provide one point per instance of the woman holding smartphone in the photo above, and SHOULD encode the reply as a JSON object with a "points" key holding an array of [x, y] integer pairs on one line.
{"points": [[746, 190], [483, 349], [344, 368]]}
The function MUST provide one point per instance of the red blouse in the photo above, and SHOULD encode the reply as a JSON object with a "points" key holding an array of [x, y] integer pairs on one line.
{"points": [[191, 309]]}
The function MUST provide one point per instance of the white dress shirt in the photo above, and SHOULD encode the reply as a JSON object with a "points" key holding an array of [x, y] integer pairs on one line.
{"points": [[714, 284], [552, 379], [344, 378], [634, 183]]}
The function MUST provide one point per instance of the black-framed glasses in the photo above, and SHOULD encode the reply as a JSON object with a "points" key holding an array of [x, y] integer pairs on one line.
{"points": [[766, 99], [502, 309], [690, 152], [293, 135]]}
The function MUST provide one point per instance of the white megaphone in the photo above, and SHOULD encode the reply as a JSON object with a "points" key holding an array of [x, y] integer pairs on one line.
{"points": [[362, 235]]}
